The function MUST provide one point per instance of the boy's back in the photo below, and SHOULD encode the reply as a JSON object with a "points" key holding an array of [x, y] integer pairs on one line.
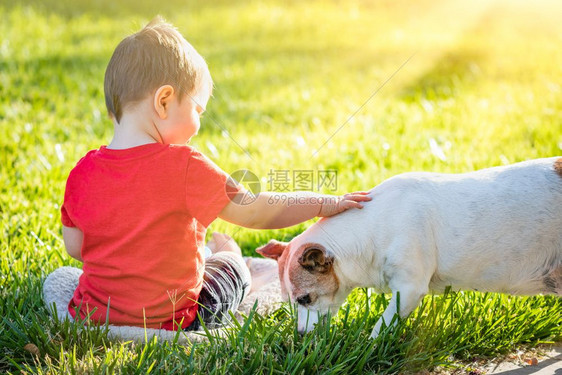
{"points": [[143, 212]]}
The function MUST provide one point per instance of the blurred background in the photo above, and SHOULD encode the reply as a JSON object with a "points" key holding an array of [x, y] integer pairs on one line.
{"points": [[364, 90], [369, 89]]}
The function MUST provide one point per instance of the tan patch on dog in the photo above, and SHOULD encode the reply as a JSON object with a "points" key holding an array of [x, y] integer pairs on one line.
{"points": [[305, 282], [558, 166], [281, 262]]}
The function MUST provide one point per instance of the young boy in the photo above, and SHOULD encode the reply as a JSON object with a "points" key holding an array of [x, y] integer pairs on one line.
{"points": [[135, 212]]}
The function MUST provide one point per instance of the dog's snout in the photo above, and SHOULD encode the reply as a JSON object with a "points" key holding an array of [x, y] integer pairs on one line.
{"points": [[304, 300]]}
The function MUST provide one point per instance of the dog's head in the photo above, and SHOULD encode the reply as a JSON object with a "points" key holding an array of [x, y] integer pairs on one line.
{"points": [[308, 277]]}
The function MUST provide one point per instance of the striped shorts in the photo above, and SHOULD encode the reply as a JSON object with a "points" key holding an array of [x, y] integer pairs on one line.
{"points": [[226, 282]]}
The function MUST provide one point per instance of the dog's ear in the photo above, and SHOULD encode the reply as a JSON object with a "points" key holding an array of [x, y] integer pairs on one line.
{"points": [[274, 249], [315, 259]]}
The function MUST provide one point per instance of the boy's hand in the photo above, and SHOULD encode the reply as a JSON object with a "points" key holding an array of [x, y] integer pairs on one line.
{"points": [[73, 238], [344, 202]]}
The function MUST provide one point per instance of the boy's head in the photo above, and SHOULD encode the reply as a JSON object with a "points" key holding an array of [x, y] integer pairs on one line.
{"points": [[157, 55]]}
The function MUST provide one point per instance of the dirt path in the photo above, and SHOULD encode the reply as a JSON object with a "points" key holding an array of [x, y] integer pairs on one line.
{"points": [[548, 362]]}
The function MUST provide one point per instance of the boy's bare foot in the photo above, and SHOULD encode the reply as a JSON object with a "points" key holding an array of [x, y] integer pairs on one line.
{"points": [[223, 242], [264, 272]]}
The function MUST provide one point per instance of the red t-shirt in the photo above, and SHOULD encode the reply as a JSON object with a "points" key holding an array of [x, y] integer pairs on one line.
{"points": [[144, 212]]}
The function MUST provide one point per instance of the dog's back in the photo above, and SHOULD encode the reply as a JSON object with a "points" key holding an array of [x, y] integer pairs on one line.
{"points": [[497, 229]]}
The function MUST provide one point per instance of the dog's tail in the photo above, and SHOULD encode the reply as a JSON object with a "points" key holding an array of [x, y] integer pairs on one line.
{"points": [[553, 281], [558, 166]]}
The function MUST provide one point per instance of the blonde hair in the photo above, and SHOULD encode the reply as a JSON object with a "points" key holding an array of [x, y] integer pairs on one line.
{"points": [[155, 56]]}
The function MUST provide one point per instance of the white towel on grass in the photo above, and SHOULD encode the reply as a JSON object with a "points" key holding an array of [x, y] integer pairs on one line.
{"points": [[59, 287]]}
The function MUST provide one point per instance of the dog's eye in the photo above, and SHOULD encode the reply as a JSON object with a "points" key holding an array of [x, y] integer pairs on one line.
{"points": [[304, 300]]}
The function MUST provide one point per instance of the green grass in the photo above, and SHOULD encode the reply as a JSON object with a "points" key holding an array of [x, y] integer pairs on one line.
{"points": [[483, 85]]}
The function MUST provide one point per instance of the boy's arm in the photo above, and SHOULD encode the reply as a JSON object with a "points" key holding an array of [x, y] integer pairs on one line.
{"points": [[73, 241], [279, 210]]}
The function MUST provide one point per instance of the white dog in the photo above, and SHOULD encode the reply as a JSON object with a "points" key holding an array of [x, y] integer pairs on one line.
{"points": [[495, 230]]}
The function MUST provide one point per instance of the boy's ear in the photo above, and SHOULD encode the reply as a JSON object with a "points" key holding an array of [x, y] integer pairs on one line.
{"points": [[162, 98]]}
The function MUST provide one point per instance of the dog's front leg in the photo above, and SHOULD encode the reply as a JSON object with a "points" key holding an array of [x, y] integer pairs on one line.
{"points": [[404, 300]]}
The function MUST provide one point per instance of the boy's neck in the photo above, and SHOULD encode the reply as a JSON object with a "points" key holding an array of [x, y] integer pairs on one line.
{"points": [[121, 143], [133, 130]]}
